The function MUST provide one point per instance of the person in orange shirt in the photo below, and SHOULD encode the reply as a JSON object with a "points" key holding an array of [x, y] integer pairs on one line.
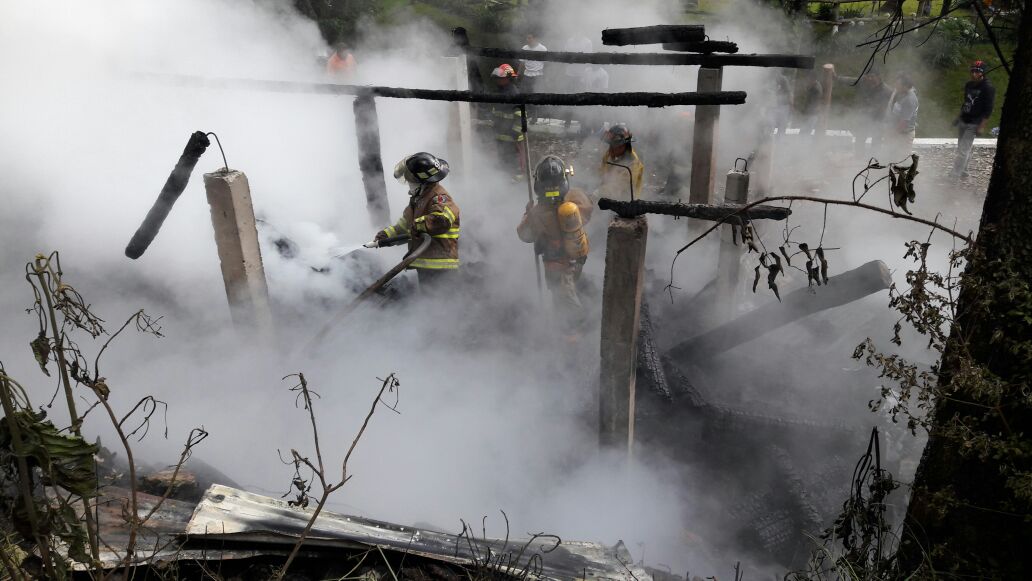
{"points": [[341, 63]]}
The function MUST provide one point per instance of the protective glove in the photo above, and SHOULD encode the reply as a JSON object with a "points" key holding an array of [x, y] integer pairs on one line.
{"points": [[530, 205], [380, 236]]}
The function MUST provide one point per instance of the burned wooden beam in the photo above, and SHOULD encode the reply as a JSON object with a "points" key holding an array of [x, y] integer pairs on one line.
{"points": [[714, 213], [791, 61], [654, 34], [370, 163], [704, 47], [839, 290], [639, 99]]}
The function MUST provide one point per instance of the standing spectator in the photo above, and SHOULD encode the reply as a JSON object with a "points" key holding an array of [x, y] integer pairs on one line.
{"points": [[341, 63], [979, 98], [871, 103], [902, 119], [810, 110], [531, 72]]}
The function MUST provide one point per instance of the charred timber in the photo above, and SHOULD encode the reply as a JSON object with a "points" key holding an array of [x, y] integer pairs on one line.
{"points": [[640, 99], [791, 61], [654, 34], [839, 290], [714, 213], [170, 192], [705, 47]]}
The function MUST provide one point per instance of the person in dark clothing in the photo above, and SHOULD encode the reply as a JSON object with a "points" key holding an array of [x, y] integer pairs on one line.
{"points": [[979, 98], [810, 109], [872, 103]]}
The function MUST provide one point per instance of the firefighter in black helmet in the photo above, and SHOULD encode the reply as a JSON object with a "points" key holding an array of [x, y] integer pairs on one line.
{"points": [[431, 210], [555, 225], [614, 182]]}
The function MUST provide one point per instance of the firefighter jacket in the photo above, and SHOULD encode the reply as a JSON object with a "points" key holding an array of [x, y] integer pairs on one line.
{"points": [[507, 119], [615, 182], [540, 225], [432, 211]]}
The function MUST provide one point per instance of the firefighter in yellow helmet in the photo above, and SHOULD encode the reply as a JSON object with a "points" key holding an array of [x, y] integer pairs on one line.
{"points": [[615, 183], [431, 210], [555, 225]]}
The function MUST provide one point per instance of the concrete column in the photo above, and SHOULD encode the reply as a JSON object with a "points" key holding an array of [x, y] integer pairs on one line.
{"points": [[729, 265], [827, 83], [460, 126], [367, 132], [621, 307], [704, 140], [236, 238]]}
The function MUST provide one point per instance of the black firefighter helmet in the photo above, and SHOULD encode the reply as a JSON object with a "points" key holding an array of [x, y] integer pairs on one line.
{"points": [[618, 134], [421, 168], [550, 181]]}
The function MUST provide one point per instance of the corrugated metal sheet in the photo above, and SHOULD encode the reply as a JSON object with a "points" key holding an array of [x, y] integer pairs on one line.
{"points": [[233, 518]]}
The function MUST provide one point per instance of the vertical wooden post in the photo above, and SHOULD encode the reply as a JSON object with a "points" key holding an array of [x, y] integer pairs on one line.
{"points": [[621, 308], [827, 84], [704, 140], [236, 238], [367, 131]]}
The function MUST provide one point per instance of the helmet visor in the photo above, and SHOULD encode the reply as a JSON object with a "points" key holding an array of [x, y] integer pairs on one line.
{"points": [[400, 171]]}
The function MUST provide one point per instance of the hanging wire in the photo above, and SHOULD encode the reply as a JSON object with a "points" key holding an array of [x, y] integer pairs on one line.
{"points": [[225, 165]]}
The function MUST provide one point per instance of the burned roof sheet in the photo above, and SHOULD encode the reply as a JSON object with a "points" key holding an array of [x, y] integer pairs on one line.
{"points": [[228, 517]]}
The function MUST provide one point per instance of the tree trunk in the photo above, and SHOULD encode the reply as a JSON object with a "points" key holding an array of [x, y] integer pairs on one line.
{"points": [[969, 511]]}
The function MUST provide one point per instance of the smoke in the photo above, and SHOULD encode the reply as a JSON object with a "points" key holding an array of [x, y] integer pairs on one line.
{"points": [[496, 412]]}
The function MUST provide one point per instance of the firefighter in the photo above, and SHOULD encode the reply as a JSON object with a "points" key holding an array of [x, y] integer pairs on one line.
{"points": [[508, 124], [430, 210], [614, 182], [555, 225]]}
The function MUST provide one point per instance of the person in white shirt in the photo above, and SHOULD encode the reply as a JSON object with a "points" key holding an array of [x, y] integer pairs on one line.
{"points": [[531, 72]]}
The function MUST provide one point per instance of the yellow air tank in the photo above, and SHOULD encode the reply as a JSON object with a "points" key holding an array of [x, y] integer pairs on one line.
{"points": [[575, 241]]}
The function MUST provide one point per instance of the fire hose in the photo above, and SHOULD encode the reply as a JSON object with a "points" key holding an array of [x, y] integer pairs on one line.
{"points": [[380, 282]]}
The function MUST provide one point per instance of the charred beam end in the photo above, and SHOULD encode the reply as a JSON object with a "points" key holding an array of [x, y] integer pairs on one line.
{"points": [[174, 186], [654, 34], [705, 47], [714, 213], [791, 61], [639, 99]]}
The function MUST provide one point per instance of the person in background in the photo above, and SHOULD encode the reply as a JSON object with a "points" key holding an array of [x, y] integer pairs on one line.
{"points": [[341, 63], [507, 120], [615, 183], [872, 103], [902, 119], [555, 225], [431, 210], [979, 99], [531, 73], [810, 108]]}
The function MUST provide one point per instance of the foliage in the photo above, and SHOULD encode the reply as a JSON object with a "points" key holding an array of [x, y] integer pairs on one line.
{"points": [[945, 47], [52, 470]]}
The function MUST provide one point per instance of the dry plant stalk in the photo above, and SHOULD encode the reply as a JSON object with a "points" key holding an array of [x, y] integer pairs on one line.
{"points": [[304, 394]]}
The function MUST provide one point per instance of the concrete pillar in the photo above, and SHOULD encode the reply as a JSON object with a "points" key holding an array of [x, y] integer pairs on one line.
{"points": [[460, 126], [367, 132], [827, 83], [729, 265], [621, 307], [236, 238], [704, 140]]}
